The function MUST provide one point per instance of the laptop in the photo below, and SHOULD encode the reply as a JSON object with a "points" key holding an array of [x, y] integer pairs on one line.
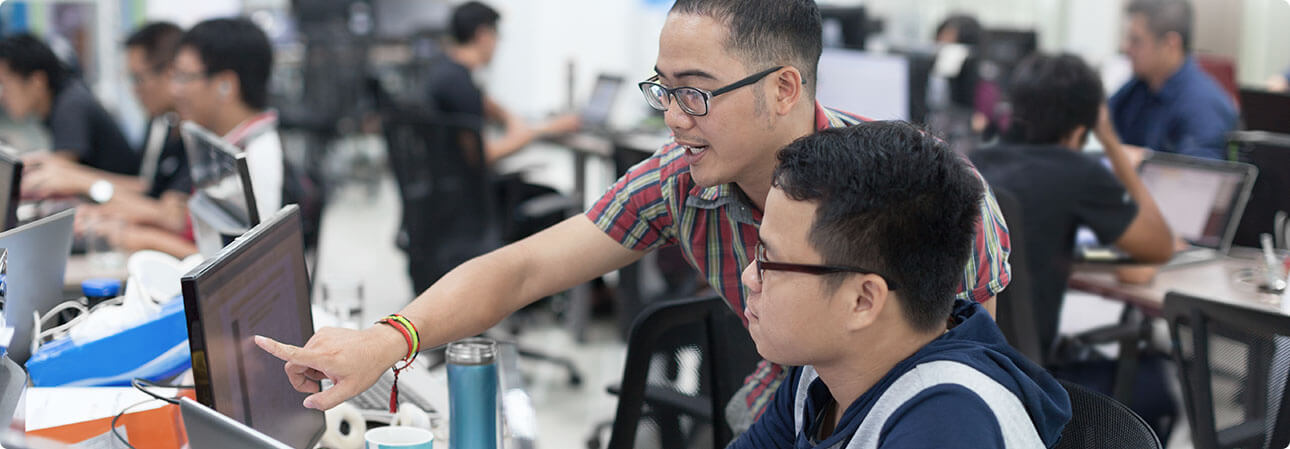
{"points": [[1265, 111], [10, 181], [223, 201], [257, 285], [595, 115], [1201, 199], [36, 257], [208, 429]]}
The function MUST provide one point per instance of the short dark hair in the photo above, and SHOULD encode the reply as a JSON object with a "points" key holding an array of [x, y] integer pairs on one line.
{"points": [[159, 42], [468, 17], [1165, 16], [768, 32], [237, 45], [26, 54], [892, 198], [967, 27], [1050, 97]]}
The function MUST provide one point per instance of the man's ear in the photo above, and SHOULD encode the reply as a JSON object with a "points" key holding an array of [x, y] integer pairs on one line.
{"points": [[227, 85], [40, 81], [1174, 39], [867, 295], [788, 89]]}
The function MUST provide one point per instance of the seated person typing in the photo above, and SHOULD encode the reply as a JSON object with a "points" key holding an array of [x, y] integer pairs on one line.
{"points": [[861, 248], [1056, 101], [36, 84]]}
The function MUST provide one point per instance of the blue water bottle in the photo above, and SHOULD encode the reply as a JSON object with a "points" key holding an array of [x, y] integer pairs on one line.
{"points": [[472, 394]]}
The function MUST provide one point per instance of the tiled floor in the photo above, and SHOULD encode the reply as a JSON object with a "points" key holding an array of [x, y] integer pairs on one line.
{"points": [[358, 247]]}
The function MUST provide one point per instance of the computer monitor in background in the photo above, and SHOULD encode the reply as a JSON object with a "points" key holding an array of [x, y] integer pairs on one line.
{"points": [[1201, 199], [10, 180], [1270, 152], [35, 259], [1265, 111], [869, 84], [223, 202], [595, 115], [257, 285], [1004, 49], [846, 26]]}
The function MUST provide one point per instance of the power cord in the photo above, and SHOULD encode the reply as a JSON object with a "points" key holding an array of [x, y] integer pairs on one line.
{"points": [[141, 384]]}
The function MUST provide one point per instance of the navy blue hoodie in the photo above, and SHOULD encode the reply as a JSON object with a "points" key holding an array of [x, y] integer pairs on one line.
{"points": [[941, 415]]}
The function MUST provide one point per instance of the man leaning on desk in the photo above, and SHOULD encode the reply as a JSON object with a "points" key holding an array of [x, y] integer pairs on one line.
{"points": [[1170, 105], [736, 79]]}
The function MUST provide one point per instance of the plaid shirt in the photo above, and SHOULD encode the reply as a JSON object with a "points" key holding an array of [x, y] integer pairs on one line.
{"points": [[657, 203]]}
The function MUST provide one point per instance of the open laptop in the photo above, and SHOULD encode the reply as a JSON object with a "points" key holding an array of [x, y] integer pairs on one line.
{"points": [[1201, 200], [1262, 110], [35, 259], [595, 115], [257, 285], [223, 202], [10, 181]]}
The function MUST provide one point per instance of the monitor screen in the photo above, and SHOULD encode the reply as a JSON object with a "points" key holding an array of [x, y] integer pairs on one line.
{"points": [[10, 180], [596, 113], [257, 285], [1198, 201], [218, 175]]}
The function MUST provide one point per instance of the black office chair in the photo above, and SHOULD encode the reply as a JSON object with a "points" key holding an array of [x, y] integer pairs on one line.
{"points": [[1099, 422], [669, 341], [1015, 307], [449, 213], [1233, 363]]}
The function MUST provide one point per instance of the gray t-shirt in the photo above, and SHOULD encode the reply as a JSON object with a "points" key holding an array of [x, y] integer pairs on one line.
{"points": [[79, 124]]}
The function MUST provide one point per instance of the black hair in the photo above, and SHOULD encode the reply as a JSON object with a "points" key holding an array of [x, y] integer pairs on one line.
{"points": [[1050, 97], [1166, 16], [767, 33], [968, 29], [159, 42], [26, 54], [468, 17], [892, 198], [237, 45]]}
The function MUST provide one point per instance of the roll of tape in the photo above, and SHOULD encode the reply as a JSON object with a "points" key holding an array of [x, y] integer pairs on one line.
{"points": [[411, 416], [345, 428]]}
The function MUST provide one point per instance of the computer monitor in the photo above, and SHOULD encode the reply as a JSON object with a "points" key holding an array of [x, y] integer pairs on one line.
{"points": [[1265, 111], [1006, 48], [223, 201], [10, 181], [846, 26], [35, 259], [1201, 199], [595, 115], [257, 285], [1270, 152], [870, 84]]}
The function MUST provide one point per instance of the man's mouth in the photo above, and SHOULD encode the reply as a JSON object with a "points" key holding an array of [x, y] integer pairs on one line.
{"points": [[695, 150]]}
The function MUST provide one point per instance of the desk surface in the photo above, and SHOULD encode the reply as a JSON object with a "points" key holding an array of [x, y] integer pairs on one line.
{"points": [[79, 268], [1230, 280]]}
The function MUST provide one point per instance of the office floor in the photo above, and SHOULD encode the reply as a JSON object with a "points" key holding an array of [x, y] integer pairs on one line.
{"points": [[357, 248]]}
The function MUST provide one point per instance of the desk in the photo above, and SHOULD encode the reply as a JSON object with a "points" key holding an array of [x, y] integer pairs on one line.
{"points": [[1218, 280], [80, 269], [587, 144]]}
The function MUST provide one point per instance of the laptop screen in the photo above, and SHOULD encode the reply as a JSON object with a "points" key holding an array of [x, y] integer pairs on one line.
{"points": [[1200, 199], [258, 285], [10, 180], [596, 113]]}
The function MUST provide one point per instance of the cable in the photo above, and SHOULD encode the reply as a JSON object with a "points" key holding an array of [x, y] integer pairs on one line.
{"points": [[140, 382], [118, 416]]}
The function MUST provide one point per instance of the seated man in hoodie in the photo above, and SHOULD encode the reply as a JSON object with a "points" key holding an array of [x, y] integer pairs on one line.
{"points": [[864, 237]]}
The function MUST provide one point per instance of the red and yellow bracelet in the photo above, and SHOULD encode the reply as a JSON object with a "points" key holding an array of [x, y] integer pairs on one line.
{"points": [[409, 331]]}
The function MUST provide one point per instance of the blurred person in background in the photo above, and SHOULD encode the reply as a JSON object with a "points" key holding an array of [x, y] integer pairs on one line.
{"points": [[1170, 105]]}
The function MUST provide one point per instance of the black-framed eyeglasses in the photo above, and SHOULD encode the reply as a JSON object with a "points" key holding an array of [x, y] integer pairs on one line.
{"points": [[763, 265], [693, 100]]}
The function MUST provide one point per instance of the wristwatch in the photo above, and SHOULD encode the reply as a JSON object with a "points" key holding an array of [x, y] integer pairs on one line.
{"points": [[101, 191]]}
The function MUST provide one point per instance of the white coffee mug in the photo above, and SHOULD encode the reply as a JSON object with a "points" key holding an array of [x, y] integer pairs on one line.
{"points": [[399, 437]]}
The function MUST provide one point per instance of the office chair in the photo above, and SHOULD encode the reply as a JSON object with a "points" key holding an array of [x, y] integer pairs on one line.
{"points": [[685, 360], [1099, 422], [449, 213], [1233, 362], [1015, 306]]}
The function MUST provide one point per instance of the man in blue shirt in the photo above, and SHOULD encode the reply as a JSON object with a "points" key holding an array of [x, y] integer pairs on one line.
{"points": [[865, 232], [1170, 105]]}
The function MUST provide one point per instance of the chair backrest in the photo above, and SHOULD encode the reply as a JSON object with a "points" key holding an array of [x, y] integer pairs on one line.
{"points": [[1223, 70], [685, 360], [1014, 309], [1233, 362], [444, 183], [1099, 422]]}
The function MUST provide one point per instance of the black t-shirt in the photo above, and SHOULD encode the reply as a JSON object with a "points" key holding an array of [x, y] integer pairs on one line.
{"points": [[1058, 191], [172, 167], [452, 91], [78, 123]]}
